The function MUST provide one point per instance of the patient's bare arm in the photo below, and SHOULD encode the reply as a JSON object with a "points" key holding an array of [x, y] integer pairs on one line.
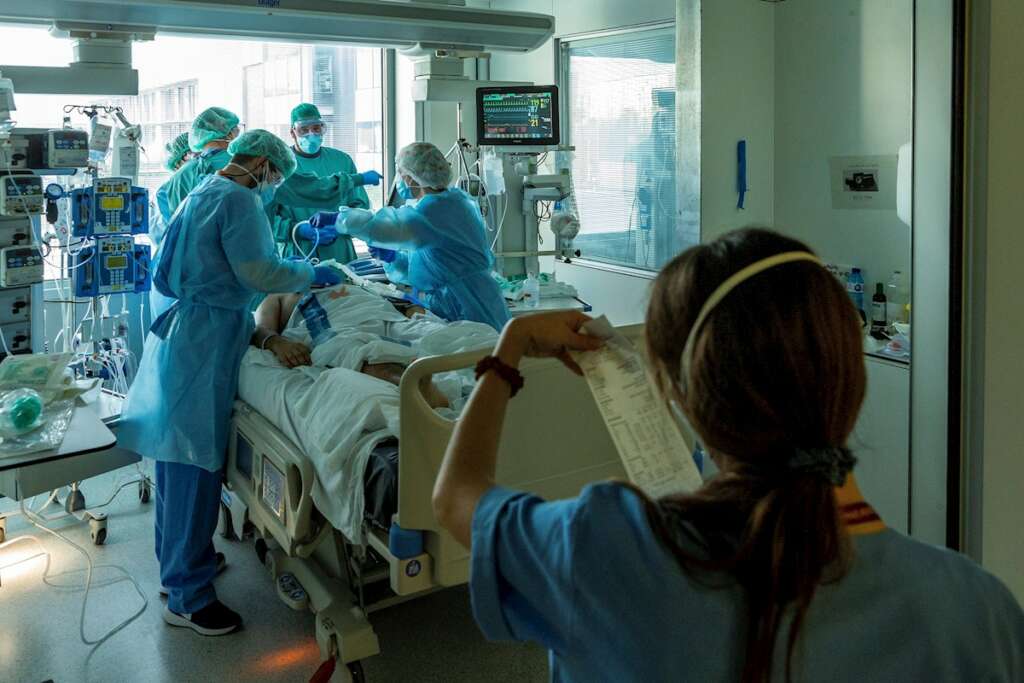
{"points": [[392, 372], [271, 318]]}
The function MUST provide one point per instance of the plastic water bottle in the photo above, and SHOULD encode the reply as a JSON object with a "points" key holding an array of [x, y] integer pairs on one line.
{"points": [[898, 295], [531, 291], [855, 288]]}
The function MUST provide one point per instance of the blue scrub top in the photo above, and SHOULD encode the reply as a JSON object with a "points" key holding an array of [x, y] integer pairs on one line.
{"points": [[587, 579], [442, 252]]}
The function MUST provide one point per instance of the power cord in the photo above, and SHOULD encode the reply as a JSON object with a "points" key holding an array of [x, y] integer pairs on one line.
{"points": [[35, 520]]}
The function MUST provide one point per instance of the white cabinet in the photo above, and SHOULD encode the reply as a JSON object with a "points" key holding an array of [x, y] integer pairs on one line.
{"points": [[881, 442]]}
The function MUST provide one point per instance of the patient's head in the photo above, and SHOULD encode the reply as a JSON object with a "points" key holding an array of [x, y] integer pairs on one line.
{"points": [[777, 365]]}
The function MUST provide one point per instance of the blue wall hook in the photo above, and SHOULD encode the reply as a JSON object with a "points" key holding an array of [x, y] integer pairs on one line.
{"points": [[741, 172]]}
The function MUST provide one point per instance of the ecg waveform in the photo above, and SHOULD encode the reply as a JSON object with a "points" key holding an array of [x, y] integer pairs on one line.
{"points": [[518, 116]]}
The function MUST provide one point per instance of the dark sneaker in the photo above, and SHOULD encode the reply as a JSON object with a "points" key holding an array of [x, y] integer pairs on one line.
{"points": [[216, 619], [222, 564]]}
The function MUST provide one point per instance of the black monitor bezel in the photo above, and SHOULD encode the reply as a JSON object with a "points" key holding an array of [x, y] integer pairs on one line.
{"points": [[556, 127]]}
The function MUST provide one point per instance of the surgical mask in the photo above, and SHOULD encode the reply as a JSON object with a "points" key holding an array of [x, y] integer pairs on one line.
{"points": [[404, 191], [310, 144], [265, 189]]}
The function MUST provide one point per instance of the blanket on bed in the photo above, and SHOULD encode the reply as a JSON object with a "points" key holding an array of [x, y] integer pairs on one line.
{"points": [[336, 414]]}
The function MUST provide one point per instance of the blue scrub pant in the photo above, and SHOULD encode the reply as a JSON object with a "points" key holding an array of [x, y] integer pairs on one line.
{"points": [[187, 500]]}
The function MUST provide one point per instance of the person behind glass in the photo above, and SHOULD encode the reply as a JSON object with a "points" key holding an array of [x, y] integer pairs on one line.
{"points": [[315, 159], [776, 569], [217, 254], [435, 243]]}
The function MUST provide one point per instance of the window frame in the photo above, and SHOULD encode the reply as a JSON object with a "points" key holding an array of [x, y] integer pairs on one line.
{"points": [[561, 45]]}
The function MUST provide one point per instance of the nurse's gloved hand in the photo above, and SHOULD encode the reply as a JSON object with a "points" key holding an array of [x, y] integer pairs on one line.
{"points": [[325, 276], [324, 219], [306, 231], [383, 255], [371, 178], [327, 236]]}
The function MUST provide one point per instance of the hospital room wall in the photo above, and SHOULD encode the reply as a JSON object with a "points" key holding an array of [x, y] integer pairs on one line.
{"points": [[995, 322], [737, 94], [844, 84]]}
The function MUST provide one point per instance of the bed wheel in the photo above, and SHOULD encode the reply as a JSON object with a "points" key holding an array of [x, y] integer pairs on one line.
{"points": [[224, 523], [261, 550]]}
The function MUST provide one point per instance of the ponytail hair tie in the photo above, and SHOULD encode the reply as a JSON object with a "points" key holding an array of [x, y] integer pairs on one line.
{"points": [[832, 463]]}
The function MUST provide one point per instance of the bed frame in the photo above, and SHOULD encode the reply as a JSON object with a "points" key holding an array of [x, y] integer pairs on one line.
{"points": [[554, 443]]}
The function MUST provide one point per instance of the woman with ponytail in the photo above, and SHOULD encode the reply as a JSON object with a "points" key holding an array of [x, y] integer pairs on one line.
{"points": [[776, 569]]}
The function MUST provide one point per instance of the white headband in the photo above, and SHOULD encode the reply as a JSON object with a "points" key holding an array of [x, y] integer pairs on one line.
{"points": [[723, 291]]}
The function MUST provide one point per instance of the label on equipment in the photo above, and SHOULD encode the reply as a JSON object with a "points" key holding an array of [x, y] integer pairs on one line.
{"points": [[272, 487]]}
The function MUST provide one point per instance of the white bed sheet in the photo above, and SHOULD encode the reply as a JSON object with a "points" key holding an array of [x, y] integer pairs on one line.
{"points": [[336, 414]]}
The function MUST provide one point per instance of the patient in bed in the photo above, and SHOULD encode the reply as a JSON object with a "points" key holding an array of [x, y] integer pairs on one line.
{"points": [[276, 311], [328, 378]]}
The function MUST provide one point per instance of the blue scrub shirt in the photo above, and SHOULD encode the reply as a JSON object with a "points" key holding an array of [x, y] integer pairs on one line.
{"points": [[217, 254], [587, 579]]}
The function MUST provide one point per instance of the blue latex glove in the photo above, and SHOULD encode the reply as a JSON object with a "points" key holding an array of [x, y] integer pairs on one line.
{"points": [[371, 178], [321, 237], [324, 219], [295, 258], [384, 255], [324, 276]]}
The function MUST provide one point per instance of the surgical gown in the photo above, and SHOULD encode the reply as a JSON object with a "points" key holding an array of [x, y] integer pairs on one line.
{"points": [[169, 197], [442, 252], [326, 163], [187, 178], [218, 253]]}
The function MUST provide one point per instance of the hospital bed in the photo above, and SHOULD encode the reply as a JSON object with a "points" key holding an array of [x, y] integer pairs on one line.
{"points": [[554, 443]]}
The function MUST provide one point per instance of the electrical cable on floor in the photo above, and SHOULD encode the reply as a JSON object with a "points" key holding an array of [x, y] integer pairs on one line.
{"points": [[88, 586]]}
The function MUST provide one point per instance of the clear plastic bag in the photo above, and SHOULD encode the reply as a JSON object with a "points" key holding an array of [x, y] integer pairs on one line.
{"points": [[54, 421], [21, 412]]}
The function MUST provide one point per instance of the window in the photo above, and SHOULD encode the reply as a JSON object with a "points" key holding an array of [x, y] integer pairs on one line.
{"points": [[261, 82], [619, 109]]}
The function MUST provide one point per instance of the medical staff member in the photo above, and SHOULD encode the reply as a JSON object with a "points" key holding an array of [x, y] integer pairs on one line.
{"points": [[322, 162], [212, 132], [218, 253], [178, 153], [777, 569], [436, 243]]}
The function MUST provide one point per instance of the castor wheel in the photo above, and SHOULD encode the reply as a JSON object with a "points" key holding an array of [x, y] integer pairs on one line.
{"points": [[225, 525], [144, 491], [98, 530], [75, 501], [261, 550]]}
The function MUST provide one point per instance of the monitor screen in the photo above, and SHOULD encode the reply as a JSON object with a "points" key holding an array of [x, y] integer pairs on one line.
{"points": [[521, 115]]}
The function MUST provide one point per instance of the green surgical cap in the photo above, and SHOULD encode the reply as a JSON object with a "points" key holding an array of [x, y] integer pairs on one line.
{"points": [[261, 143], [176, 150], [212, 124], [305, 112], [426, 164]]}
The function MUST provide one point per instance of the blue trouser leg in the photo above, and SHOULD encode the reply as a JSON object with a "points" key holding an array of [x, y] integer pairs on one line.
{"points": [[187, 499]]}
